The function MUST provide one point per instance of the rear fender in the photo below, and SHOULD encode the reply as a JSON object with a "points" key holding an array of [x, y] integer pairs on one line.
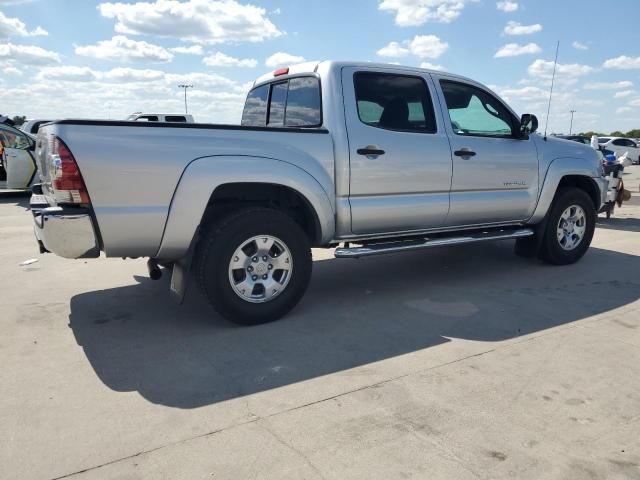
{"points": [[204, 175]]}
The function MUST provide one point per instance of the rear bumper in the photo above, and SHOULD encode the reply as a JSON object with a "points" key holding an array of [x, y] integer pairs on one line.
{"points": [[67, 232]]}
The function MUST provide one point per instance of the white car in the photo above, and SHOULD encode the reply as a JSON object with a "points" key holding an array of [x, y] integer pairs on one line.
{"points": [[620, 145], [17, 162], [31, 126], [160, 117]]}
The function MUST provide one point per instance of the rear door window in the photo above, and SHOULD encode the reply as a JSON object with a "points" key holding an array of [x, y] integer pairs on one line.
{"points": [[394, 102]]}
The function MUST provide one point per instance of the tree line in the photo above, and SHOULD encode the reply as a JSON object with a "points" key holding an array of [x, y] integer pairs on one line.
{"points": [[635, 133]]}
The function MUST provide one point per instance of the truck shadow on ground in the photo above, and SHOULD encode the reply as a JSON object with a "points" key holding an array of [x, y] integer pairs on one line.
{"points": [[625, 224], [356, 312], [15, 198]]}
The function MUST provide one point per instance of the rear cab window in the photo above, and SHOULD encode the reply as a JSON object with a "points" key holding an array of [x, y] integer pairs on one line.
{"points": [[294, 102]]}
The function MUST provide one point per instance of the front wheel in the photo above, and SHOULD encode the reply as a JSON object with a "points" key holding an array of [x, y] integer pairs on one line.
{"points": [[570, 227], [254, 265]]}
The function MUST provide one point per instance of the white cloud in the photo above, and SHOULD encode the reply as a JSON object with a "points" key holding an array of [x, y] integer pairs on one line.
{"points": [[192, 50], [431, 66], [132, 75], [394, 50], [580, 46], [219, 59], [12, 71], [524, 93], [207, 21], [515, 28], [623, 63], [118, 92], [66, 73], [411, 13], [507, 6], [27, 54], [200, 80], [281, 58], [125, 49], [422, 46], [14, 27], [624, 94], [624, 110], [608, 85], [544, 69], [427, 46], [514, 49]]}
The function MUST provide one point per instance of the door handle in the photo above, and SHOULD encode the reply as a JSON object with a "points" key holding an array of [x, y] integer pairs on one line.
{"points": [[464, 152], [370, 151]]}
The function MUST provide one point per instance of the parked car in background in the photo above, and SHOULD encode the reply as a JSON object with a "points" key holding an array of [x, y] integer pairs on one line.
{"points": [[17, 161], [576, 138], [31, 126], [620, 145], [161, 117], [380, 158]]}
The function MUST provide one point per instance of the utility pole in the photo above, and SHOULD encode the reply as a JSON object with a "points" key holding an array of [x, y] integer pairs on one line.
{"points": [[185, 95], [571, 124]]}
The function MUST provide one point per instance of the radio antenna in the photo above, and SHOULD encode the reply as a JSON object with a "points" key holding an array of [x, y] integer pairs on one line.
{"points": [[553, 78]]}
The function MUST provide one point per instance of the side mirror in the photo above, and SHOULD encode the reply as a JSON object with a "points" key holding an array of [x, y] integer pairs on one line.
{"points": [[528, 123]]}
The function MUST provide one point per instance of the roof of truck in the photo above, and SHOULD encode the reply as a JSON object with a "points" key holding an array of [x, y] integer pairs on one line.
{"points": [[311, 67]]}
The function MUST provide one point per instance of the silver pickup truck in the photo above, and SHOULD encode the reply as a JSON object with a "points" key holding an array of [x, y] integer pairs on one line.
{"points": [[369, 158]]}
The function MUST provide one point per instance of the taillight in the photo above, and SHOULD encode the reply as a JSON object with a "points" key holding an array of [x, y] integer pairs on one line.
{"points": [[66, 180]]}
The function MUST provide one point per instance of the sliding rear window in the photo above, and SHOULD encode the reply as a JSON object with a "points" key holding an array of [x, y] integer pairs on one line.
{"points": [[291, 103]]}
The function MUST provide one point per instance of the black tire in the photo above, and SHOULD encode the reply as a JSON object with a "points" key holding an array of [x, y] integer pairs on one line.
{"points": [[551, 251], [216, 247]]}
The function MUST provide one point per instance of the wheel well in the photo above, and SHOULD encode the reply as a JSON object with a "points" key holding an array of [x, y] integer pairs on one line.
{"points": [[583, 183], [232, 196]]}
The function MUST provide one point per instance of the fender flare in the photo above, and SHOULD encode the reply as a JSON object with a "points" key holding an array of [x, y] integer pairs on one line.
{"points": [[204, 175], [558, 169]]}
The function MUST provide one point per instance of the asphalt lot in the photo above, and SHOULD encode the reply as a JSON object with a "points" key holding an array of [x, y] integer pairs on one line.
{"points": [[455, 363]]}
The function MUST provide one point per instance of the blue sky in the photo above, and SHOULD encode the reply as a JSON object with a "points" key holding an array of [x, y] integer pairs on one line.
{"points": [[85, 58]]}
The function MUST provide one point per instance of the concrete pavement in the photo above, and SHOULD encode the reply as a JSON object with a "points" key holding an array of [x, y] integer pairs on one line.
{"points": [[449, 363]]}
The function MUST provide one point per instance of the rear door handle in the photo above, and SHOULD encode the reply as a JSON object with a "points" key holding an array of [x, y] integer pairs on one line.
{"points": [[464, 152], [370, 151]]}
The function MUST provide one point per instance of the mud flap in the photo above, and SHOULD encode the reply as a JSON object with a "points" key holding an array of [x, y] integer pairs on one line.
{"points": [[179, 279], [530, 246]]}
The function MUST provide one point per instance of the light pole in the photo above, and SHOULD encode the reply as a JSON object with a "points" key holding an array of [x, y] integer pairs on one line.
{"points": [[571, 124], [185, 95]]}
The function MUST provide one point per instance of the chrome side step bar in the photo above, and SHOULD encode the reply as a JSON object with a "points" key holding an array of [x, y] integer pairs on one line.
{"points": [[420, 243]]}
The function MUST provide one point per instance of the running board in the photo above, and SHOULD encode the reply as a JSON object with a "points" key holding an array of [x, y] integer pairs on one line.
{"points": [[418, 244]]}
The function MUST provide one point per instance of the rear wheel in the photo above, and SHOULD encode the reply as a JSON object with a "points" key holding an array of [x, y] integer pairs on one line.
{"points": [[254, 265], [570, 228]]}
